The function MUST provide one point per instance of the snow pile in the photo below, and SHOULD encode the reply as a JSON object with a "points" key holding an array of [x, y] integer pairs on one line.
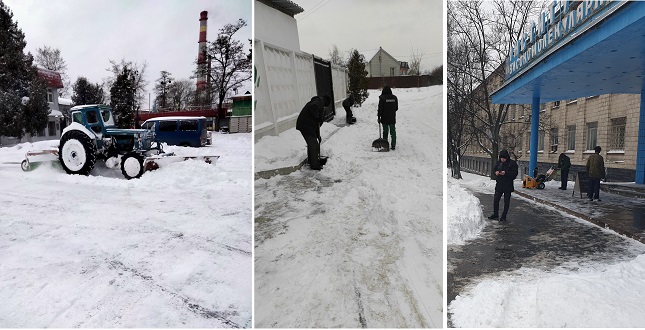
{"points": [[465, 218], [600, 297], [360, 243]]}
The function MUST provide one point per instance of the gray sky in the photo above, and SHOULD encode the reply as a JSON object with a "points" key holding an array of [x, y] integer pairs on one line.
{"points": [[89, 33], [396, 26]]}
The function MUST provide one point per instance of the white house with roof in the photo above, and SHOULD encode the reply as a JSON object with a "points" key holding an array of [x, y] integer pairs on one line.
{"points": [[56, 120], [381, 64]]}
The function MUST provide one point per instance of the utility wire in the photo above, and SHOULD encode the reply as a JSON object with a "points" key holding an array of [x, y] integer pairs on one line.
{"points": [[314, 9]]}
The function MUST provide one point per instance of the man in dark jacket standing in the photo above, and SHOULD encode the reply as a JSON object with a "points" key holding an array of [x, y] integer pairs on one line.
{"points": [[505, 172], [347, 104], [388, 104], [308, 123], [564, 163], [596, 171]]}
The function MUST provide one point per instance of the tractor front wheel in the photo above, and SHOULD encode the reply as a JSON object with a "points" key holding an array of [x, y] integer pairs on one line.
{"points": [[25, 165], [77, 153], [132, 165], [540, 185]]}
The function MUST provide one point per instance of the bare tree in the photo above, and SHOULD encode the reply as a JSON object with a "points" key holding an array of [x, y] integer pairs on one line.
{"points": [[231, 65], [180, 93], [334, 56], [415, 62], [51, 59], [486, 32]]}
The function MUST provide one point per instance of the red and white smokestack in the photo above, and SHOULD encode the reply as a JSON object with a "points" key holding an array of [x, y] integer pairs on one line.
{"points": [[201, 56]]}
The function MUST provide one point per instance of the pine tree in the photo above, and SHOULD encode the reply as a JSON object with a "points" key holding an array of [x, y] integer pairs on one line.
{"points": [[18, 79], [37, 108], [357, 77], [123, 98], [87, 93]]}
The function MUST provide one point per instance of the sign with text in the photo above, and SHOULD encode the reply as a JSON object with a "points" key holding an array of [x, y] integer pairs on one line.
{"points": [[582, 183], [560, 19]]}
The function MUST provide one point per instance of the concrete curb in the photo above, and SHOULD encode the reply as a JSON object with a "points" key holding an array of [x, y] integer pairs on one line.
{"points": [[600, 223]]}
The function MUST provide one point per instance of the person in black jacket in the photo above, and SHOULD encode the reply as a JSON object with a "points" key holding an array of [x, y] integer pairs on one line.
{"points": [[388, 104], [308, 123], [564, 163], [505, 172], [347, 103]]}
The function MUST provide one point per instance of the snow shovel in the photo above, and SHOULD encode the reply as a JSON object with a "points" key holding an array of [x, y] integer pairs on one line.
{"points": [[381, 144]]}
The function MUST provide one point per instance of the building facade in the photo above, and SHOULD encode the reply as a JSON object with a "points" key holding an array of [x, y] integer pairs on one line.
{"points": [[381, 64], [573, 127]]}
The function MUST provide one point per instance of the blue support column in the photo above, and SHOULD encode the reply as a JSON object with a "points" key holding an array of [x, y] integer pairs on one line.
{"points": [[640, 153], [533, 147]]}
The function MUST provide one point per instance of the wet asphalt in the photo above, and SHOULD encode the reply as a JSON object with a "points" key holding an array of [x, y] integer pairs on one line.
{"points": [[534, 236]]}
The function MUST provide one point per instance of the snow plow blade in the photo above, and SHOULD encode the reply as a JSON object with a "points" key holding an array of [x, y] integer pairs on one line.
{"points": [[35, 158], [155, 162]]}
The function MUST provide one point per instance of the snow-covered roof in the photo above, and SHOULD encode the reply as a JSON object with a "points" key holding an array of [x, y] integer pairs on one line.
{"points": [[64, 101], [369, 54], [286, 6], [174, 118], [55, 113]]}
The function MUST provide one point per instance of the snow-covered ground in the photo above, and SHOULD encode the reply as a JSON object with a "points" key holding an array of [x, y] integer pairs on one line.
{"points": [[599, 295], [465, 218], [171, 249], [360, 242]]}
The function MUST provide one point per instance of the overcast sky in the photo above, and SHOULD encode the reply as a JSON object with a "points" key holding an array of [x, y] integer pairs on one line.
{"points": [[396, 26], [89, 33]]}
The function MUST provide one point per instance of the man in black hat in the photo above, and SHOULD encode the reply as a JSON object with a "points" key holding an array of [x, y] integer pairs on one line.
{"points": [[309, 121], [347, 104], [505, 172]]}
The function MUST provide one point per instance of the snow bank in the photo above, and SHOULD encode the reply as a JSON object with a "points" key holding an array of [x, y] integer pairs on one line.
{"points": [[464, 216], [595, 297]]}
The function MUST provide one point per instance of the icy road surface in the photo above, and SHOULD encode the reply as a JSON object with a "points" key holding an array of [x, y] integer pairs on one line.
{"points": [[172, 249], [358, 244]]}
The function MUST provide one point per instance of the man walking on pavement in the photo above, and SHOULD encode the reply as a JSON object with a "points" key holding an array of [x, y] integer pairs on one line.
{"points": [[347, 104], [596, 171], [388, 104], [505, 172], [309, 121], [564, 163]]}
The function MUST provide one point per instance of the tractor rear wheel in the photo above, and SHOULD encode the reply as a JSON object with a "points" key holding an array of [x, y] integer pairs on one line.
{"points": [[77, 153], [132, 165]]}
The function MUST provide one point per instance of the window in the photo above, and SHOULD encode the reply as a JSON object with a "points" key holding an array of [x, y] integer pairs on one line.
{"points": [[188, 125], [556, 104], [592, 135], [92, 117], [77, 117], [50, 95], [512, 112], [541, 141], [51, 127], [149, 125], [521, 111], [168, 126], [520, 143], [391, 72], [571, 137], [617, 133], [554, 140]]}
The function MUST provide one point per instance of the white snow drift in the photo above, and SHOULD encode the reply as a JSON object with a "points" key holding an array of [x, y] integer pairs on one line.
{"points": [[171, 249]]}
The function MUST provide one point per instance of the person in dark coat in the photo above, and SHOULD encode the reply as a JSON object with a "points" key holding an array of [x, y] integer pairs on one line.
{"points": [[388, 104], [309, 121], [505, 172], [347, 104], [596, 171], [564, 163]]}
